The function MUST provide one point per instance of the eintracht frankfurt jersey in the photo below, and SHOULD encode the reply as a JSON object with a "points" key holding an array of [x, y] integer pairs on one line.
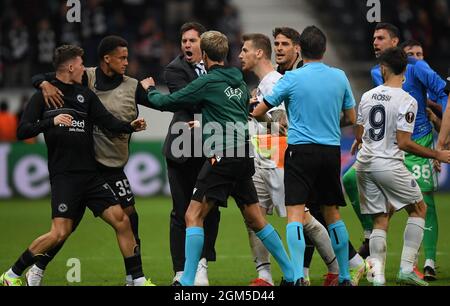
{"points": [[382, 112]]}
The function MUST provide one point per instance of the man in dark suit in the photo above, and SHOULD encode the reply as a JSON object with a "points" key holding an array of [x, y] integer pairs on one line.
{"points": [[183, 171]]}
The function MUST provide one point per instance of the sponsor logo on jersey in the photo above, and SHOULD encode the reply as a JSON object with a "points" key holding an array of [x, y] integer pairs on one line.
{"points": [[409, 117], [381, 97], [80, 98], [233, 92], [62, 208], [77, 126]]}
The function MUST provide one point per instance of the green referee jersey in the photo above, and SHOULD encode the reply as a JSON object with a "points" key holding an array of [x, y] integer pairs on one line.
{"points": [[224, 97]]}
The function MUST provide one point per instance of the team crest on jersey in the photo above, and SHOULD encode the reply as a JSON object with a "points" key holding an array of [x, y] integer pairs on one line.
{"points": [[409, 117], [233, 92], [413, 183], [62, 208], [80, 98]]}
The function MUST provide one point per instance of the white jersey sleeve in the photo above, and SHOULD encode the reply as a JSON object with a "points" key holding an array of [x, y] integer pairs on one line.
{"points": [[360, 119], [407, 115], [265, 88]]}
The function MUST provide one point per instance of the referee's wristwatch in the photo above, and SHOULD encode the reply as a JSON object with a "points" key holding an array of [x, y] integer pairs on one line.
{"points": [[150, 89]]}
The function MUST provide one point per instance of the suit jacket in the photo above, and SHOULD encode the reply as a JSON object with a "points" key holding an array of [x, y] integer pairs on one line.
{"points": [[177, 75]]}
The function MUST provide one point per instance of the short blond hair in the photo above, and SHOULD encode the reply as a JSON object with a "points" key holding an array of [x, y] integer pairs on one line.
{"points": [[215, 45]]}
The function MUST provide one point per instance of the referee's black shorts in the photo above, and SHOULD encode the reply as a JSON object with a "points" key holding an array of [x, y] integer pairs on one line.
{"points": [[72, 193], [221, 177], [312, 175]]}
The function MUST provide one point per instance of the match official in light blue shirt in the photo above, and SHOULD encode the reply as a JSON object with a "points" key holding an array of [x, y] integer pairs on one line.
{"points": [[315, 95]]}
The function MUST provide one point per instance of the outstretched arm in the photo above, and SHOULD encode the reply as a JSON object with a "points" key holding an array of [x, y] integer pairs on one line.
{"points": [[406, 144], [102, 117], [189, 95]]}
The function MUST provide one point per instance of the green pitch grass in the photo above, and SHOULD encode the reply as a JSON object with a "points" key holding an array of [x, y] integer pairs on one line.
{"points": [[94, 244]]}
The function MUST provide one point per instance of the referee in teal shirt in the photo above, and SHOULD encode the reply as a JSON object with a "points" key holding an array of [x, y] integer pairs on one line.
{"points": [[314, 95]]}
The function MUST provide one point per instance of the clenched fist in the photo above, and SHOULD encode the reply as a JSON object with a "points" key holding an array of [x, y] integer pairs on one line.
{"points": [[139, 124], [148, 82]]}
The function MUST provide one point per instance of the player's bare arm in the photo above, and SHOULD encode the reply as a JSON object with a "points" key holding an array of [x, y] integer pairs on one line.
{"points": [[406, 144], [359, 131], [260, 111], [349, 117]]}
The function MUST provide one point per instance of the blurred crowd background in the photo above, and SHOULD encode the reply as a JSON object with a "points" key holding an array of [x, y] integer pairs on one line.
{"points": [[31, 29], [427, 21]]}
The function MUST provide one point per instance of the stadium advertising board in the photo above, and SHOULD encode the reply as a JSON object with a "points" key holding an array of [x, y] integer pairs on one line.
{"points": [[24, 173]]}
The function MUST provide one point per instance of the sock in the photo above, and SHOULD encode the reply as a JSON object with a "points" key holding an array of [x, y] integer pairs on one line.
{"points": [[296, 245], [339, 241], [351, 251], [319, 236], [430, 234], [25, 260], [195, 237], [351, 188], [134, 221], [45, 259], [129, 280], [355, 261], [309, 250], [306, 273], [412, 239], [261, 256], [11, 274], [272, 242], [133, 266], [429, 263], [378, 247]]}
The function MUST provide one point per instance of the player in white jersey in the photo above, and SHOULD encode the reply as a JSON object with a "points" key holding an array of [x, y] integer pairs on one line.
{"points": [[270, 143], [386, 117]]}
